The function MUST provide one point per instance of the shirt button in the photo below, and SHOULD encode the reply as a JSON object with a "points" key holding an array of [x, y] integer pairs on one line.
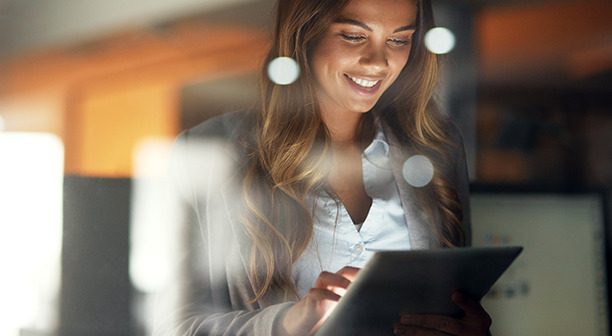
{"points": [[358, 248]]}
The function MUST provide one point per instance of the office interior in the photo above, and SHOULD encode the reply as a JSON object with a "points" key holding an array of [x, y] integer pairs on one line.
{"points": [[93, 94]]}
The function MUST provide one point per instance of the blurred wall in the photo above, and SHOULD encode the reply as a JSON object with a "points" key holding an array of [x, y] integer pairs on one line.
{"points": [[29, 24], [104, 98]]}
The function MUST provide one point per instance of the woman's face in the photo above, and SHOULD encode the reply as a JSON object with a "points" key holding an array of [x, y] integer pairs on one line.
{"points": [[362, 53]]}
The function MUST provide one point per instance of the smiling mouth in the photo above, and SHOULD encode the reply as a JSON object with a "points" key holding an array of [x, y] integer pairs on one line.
{"points": [[364, 83]]}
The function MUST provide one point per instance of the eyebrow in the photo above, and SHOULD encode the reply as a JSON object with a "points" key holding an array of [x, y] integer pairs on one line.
{"points": [[366, 27]]}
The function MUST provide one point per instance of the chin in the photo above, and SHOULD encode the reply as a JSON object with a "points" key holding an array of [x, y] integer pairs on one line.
{"points": [[362, 108]]}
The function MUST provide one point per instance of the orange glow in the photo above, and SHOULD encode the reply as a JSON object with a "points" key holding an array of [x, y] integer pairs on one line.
{"points": [[105, 96], [523, 39], [110, 124]]}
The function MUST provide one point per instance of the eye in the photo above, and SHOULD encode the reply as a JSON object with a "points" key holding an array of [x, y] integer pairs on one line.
{"points": [[397, 42], [353, 38]]}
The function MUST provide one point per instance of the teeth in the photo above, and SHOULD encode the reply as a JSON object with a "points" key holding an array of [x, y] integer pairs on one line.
{"points": [[363, 82]]}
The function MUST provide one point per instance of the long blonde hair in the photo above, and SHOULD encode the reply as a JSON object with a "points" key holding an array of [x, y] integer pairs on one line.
{"points": [[287, 161]]}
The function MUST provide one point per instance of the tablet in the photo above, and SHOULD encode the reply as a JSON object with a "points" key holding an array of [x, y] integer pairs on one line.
{"points": [[417, 282]]}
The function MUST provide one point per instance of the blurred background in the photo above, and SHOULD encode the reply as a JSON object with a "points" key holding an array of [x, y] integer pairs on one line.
{"points": [[93, 93]]}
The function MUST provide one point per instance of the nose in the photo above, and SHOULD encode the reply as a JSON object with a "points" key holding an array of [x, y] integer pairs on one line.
{"points": [[375, 58]]}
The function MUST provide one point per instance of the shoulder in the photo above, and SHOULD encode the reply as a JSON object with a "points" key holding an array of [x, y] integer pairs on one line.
{"points": [[454, 147], [448, 138], [226, 127], [452, 132], [209, 151], [223, 138]]}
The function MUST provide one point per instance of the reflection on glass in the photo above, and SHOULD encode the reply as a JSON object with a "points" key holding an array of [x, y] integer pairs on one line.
{"points": [[283, 70], [440, 40], [418, 171], [155, 233], [31, 175], [160, 236]]}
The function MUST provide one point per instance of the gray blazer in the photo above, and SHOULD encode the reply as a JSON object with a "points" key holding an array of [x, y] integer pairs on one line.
{"points": [[206, 163]]}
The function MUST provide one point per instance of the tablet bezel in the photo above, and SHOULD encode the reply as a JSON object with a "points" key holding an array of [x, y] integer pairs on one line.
{"points": [[415, 281]]}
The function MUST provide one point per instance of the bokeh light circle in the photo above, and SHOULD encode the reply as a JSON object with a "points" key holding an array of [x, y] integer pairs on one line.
{"points": [[440, 40], [418, 171], [283, 70]]}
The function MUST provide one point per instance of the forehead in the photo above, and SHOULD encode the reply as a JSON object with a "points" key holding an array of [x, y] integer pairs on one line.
{"points": [[385, 12]]}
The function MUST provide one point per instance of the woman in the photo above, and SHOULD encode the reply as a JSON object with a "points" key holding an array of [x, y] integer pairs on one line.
{"points": [[317, 173]]}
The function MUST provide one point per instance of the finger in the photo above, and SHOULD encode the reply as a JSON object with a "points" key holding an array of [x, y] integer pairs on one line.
{"points": [[475, 314], [322, 301], [410, 330], [320, 294], [349, 272], [310, 311], [330, 280], [442, 323], [468, 305]]}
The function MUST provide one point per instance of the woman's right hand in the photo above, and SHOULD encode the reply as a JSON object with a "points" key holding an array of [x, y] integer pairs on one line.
{"points": [[306, 316]]}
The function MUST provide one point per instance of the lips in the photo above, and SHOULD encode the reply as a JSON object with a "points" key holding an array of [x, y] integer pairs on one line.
{"points": [[363, 86]]}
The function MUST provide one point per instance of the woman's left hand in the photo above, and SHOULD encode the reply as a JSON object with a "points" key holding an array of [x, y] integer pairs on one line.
{"points": [[474, 322]]}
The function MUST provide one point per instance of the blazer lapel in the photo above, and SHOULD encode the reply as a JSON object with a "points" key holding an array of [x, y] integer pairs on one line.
{"points": [[421, 235]]}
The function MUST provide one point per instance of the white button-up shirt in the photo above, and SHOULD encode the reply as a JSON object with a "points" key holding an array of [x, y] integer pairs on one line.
{"points": [[337, 241]]}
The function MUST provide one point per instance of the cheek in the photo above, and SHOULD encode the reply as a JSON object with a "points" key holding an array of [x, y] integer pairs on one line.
{"points": [[398, 62], [331, 57], [322, 60]]}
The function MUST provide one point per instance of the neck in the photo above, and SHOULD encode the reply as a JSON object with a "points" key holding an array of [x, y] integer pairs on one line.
{"points": [[343, 127]]}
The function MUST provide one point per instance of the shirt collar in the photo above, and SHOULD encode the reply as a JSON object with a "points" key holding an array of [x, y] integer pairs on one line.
{"points": [[379, 147]]}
